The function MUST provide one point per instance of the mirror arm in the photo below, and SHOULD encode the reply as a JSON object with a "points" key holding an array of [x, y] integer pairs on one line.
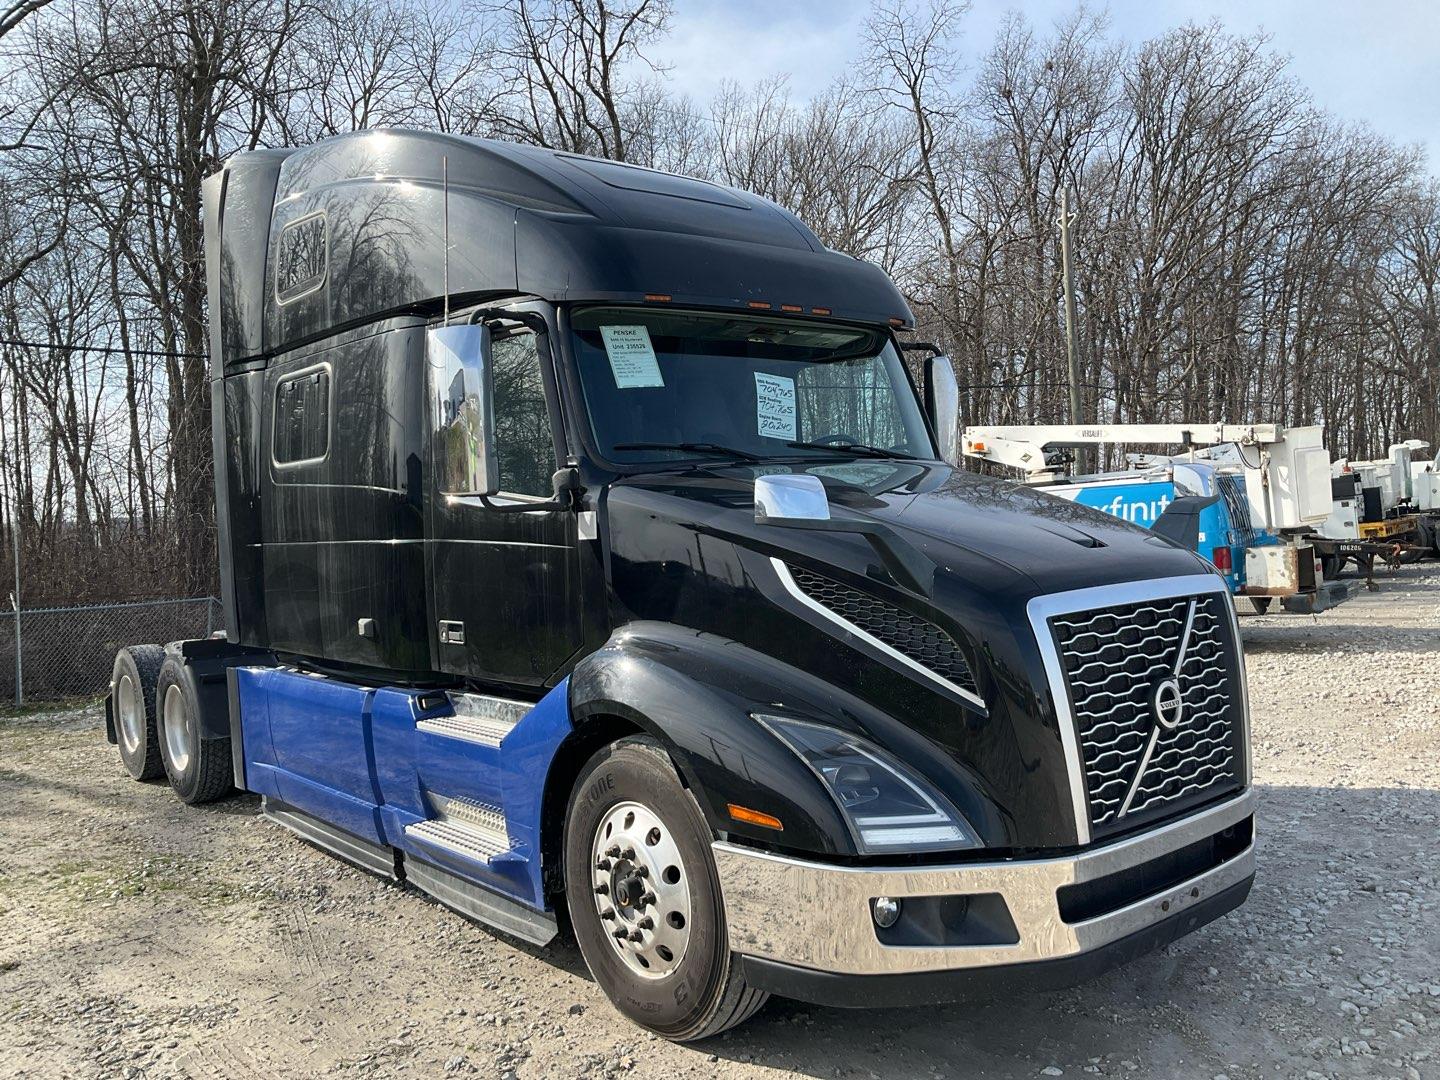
{"points": [[922, 346], [567, 488], [532, 320]]}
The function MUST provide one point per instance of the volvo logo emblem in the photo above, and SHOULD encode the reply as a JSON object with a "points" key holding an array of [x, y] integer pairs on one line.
{"points": [[1167, 704]]}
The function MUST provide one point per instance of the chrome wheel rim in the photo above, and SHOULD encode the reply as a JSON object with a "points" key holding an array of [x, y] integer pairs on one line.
{"points": [[642, 889], [132, 709], [177, 732]]}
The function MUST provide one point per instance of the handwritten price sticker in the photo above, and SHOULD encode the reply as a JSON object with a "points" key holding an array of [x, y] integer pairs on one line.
{"points": [[775, 406]]}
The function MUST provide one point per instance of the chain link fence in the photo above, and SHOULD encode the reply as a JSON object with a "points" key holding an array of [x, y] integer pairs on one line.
{"points": [[68, 652]]}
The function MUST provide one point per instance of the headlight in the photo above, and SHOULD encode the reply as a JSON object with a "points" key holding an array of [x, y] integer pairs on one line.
{"points": [[887, 807]]}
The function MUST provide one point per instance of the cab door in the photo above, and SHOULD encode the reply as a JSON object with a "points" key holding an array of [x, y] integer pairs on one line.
{"points": [[504, 582]]}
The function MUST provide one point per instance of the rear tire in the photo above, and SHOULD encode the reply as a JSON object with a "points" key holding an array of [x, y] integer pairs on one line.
{"points": [[132, 703], [199, 769], [679, 979]]}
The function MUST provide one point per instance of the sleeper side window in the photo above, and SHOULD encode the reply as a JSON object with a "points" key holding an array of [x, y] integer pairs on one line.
{"points": [[301, 260], [301, 432], [523, 439]]}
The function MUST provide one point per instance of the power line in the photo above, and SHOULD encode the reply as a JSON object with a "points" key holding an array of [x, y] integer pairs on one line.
{"points": [[103, 349]]}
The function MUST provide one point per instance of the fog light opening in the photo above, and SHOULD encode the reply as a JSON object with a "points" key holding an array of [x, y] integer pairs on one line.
{"points": [[886, 911]]}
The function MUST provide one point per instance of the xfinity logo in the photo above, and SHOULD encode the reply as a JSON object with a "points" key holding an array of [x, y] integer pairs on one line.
{"points": [[1136, 512]]}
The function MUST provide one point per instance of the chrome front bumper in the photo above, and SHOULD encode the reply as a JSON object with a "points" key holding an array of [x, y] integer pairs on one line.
{"points": [[817, 916]]}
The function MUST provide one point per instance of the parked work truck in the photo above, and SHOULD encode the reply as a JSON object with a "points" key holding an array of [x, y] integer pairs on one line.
{"points": [[1260, 491], [589, 552]]}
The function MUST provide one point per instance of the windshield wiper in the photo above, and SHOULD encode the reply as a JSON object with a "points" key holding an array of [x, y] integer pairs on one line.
{"points": [[849, 448], [717, 449]]}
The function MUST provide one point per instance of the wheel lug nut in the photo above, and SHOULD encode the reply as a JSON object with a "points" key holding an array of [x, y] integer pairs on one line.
{"points": [[602, 889], [613, 851], [619, 933], [636, 935], [646, 923], [648, 898], [642, 871], [628, 854], [608, 914], [603, 864]]}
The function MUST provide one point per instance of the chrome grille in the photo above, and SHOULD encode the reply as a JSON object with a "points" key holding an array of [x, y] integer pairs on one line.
{"points": [[1114, 662], [905, 632]]}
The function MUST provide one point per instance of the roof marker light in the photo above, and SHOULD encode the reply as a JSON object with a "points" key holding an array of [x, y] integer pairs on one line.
{"points": [[792, 307], [658, 297], [760, 305], [819, 311]]}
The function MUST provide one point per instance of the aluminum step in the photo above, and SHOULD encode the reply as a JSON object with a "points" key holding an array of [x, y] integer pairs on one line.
{"points": [[477, 718], [489, 819], [466, 828]]}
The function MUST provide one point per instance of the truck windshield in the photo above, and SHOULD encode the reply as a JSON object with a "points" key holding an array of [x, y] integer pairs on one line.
{"points": [[677, 385]]}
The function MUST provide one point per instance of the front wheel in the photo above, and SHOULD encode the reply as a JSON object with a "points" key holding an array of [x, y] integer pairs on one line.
{"points": [[644, 897]]}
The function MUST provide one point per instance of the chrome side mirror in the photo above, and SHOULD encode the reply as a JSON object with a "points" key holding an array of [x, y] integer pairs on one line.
{"points": [[790, 497], [942, 402], [464, 409]]}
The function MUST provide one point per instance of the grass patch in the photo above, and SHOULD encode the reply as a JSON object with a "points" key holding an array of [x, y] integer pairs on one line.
{"points": [[84, 883]]}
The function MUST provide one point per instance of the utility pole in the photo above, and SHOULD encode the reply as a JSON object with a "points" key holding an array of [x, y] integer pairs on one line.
{"points": [[1066, 219], [15, 599]]}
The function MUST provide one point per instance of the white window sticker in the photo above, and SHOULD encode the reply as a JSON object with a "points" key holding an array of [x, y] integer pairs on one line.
{"points": [[775, 406], [632, 357]]}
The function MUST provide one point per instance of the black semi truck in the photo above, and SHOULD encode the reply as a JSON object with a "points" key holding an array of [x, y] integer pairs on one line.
{"points": [[591, 555]]}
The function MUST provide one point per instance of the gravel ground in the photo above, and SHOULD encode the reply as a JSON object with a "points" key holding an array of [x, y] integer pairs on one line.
{"points": [[146, 939]]}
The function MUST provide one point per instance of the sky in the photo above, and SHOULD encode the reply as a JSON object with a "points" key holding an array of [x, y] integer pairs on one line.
{"points": [[1371, 60]]}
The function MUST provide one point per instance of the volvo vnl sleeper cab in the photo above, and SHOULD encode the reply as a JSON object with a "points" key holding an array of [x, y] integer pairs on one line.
{"points": [[588, 546]]}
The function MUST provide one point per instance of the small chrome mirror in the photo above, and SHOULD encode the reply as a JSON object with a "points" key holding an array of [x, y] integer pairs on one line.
{"points": [[942, 401], [464, 409], [790, 497]]}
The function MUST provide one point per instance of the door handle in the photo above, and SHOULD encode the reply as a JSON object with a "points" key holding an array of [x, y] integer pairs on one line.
{"points": [[452, 632]]}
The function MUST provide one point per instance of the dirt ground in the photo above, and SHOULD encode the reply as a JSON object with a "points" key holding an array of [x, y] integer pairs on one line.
{"points": [[141, 938]]}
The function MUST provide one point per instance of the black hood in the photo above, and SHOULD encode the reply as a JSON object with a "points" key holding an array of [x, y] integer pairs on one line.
{"points": [[981, 532], [683, 548]]}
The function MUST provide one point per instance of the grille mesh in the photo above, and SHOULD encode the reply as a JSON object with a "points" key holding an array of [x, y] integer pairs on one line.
{"points": [[917, 638], [1113, 659]]}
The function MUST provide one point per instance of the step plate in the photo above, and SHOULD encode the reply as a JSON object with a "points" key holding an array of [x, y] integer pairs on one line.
{"points": [[484, 732], [462, 838], [488, 819], [477, 719]]}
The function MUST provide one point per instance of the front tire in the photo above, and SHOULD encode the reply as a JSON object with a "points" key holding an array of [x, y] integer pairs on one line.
{"points": [[132, 701], [199, 769], [644, 897]]}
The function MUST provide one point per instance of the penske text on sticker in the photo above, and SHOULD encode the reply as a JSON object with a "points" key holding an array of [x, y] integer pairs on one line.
{"points": [[632, 357]]}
